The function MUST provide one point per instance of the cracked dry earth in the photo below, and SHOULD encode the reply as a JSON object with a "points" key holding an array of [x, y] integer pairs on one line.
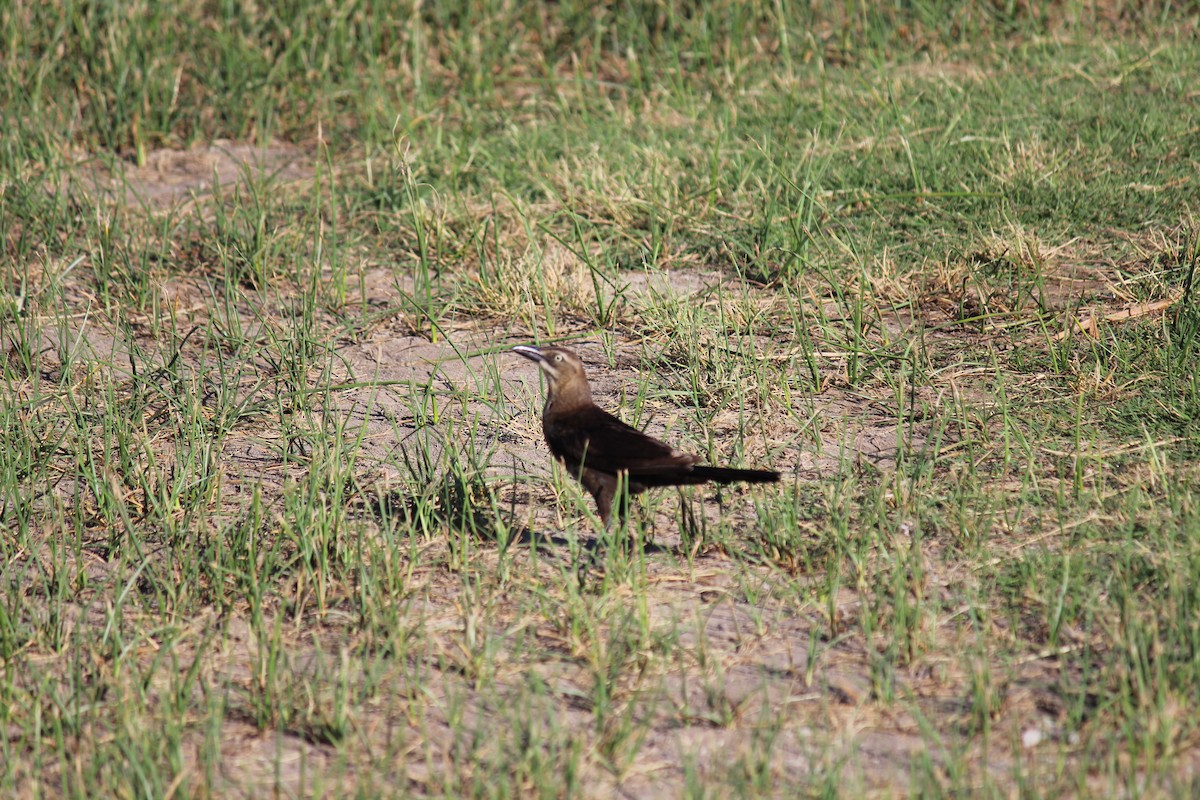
{"points": [[736, 690]]}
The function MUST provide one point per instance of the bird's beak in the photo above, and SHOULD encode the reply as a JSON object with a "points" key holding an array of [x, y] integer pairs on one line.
{"points": [[535, 355], [532, 353]]}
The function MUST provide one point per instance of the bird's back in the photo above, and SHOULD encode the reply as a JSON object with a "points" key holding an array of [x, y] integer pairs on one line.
{"points": [[596, 439]]}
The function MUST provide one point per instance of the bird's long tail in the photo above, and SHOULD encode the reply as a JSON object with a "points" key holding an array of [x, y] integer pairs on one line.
{"points": [[687, 475], [733, 474]]}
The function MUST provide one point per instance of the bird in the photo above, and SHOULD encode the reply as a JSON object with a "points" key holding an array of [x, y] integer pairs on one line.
{"points": [[601, 451]]}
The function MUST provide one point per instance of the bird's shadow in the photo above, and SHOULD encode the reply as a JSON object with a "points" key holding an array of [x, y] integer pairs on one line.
{"points": [[465, 506], [459, 504]]}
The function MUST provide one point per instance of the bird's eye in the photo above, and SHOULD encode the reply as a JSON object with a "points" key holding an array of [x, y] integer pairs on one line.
{"points": [[558, 356]]}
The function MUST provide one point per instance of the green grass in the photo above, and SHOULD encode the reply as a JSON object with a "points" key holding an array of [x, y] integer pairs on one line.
{"points": [[275, 515]]}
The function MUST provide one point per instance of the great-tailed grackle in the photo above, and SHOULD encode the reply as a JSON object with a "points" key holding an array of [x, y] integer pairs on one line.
{"points": [[597, 448]]}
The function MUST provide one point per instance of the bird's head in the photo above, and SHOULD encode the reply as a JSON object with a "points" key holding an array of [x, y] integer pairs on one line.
{"points": [[564, 372]]}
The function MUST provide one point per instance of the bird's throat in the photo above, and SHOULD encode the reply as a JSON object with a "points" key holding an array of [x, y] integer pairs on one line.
{"points": [[568, 399]]}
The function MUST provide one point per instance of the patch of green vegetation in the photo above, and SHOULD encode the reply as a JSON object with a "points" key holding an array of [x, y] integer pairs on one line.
{"points": [[276, 515]]}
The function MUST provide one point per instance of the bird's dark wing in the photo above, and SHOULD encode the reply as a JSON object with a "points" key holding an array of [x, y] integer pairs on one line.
{"points": [[600, 441]]}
